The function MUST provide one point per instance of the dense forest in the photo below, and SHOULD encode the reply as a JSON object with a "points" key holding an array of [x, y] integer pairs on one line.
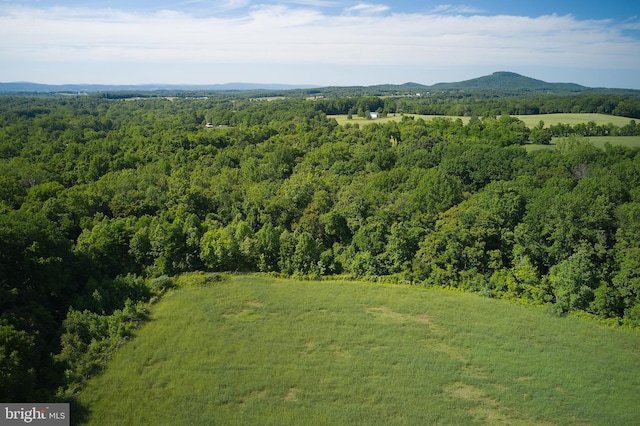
{"points": [[103, 201]]}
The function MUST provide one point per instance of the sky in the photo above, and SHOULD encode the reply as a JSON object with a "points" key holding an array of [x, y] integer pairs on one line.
{"points": [[595, 43]]}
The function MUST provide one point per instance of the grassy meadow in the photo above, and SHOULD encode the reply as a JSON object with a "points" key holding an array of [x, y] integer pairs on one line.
{"points": [[573, 119], [343, 119], [598, 141], [258, 350], [529, 120]]}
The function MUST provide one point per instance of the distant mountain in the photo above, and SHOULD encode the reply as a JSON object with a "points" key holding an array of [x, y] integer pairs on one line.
{"points": [[508, 81], [27, 87], [502, 83]]}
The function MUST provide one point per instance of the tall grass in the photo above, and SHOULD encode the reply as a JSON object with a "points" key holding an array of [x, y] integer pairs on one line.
{"points": [[256, 350]]}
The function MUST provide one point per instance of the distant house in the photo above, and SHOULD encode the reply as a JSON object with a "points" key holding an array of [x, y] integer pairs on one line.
{"points": [[373, 115]]}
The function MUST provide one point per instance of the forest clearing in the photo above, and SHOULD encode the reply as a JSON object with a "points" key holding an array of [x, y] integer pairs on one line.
{"points": [[258, 350], [529, 120]]}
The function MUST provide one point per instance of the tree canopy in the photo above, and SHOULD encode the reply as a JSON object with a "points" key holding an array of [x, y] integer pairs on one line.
{"points": [[103, 201]]}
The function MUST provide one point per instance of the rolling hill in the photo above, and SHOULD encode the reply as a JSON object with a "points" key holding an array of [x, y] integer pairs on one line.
{"points": [[504, 80], [501, 81], [28, 87]]}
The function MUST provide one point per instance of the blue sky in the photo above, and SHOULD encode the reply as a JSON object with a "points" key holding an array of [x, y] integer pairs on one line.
{"points": [[321, 42]]}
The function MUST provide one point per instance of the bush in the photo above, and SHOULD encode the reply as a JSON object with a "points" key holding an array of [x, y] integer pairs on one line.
{"points": [[161, 284], [89, 339]]}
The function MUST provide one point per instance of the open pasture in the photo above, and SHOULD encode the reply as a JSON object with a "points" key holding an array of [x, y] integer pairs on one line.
{"points": [[258, 350], [573, 119], [598, 141], [343, 119], [529, 120], [601, 141]]}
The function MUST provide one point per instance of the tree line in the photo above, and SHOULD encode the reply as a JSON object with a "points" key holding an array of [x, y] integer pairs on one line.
{"points": [[484, 104], [104, 202]]}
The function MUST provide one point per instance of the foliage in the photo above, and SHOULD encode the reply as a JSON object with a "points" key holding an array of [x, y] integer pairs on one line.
{"points": [[103, 200], [88, 339]]}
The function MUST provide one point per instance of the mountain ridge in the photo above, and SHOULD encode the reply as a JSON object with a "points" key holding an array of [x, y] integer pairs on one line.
{"points": [[507, 80], [502, 81], [30, 87]]}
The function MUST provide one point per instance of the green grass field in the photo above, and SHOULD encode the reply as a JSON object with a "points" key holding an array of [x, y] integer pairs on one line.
{"points": [[573, 119], [343, 119], [599, 141], [530, 120], [264, 351]]}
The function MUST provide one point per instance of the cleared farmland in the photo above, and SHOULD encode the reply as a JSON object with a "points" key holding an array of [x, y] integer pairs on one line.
{"points": [[573, 119], [257, 350], [530, 120], [599, 141]]}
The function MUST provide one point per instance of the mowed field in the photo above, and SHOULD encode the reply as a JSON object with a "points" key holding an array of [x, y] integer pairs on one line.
{"points": [[573, 119], [344, 119], [530, 120], [264, 351], [598, 141]]}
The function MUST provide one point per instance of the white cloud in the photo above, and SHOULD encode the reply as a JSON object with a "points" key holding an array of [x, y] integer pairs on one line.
{"points": [[455, 9], [367, 8], [315, 3], [366, 36], [231, 4], [631, 24], [264, 18]]}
